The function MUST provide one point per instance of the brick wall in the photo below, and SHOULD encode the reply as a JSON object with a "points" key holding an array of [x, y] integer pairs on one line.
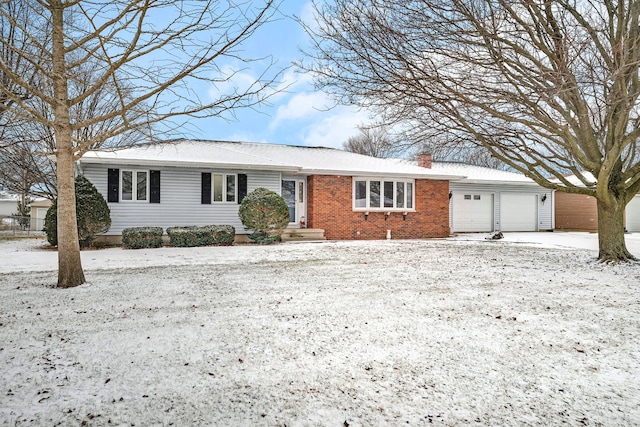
{"points": [[329, 206]]}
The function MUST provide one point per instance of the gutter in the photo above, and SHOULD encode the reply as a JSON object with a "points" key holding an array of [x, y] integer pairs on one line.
{"points": [[188, 164], [381, 174]]}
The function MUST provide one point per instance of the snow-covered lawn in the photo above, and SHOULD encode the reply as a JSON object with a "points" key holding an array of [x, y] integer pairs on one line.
{"points": [[527, 330]]}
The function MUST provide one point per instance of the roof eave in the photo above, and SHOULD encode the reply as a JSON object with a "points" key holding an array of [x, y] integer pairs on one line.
{"points": [[501, 182], [188, 164], [381, 174]]}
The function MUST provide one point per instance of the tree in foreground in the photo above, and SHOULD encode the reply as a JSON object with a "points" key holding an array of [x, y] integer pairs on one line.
{"points": [[265, 213], [549, 87], [150, 53]]}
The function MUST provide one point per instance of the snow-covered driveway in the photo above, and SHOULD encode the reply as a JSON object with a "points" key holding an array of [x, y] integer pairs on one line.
{"points": [[528, 330]]}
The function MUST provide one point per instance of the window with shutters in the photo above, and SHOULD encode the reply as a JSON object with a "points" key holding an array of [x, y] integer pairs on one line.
{"points": [[219, 188], [133, 186]]}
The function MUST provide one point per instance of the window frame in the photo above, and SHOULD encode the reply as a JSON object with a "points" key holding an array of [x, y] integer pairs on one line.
{"points": [[134, 186], [224, 187], [382, 181]]}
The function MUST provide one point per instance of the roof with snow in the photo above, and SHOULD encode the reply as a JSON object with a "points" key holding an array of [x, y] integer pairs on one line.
{"points": [[477, 174], [6, 196], [584, 179], [261, 156]]}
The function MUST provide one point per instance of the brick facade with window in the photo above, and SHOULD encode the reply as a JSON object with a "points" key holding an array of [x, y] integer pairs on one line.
{"points": [[330, 207]]}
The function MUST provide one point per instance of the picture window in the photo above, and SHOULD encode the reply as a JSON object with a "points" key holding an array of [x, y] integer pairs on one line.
{"points": [[383, 195]]}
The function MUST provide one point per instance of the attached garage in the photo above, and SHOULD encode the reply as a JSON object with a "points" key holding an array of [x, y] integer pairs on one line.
{"points": [[489, 200], [518, 212], [471, 212], [633, 215]]}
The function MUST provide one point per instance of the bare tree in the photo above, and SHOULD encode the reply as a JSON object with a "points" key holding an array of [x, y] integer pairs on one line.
{"points": [[14, 41], [373, 141], [476, 156], [27, 146], [546, 86], [151, 52]]}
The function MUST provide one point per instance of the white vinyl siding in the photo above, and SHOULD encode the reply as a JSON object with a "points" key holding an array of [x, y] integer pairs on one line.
{"points": [[181, 199]]}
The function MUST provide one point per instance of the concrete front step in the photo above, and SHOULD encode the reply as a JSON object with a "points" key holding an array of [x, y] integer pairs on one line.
{"points": [[301, 234]]}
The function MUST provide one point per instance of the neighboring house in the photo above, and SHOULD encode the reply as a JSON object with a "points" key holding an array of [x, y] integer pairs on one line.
{"points": [[347, 195], [8, 203], [490, 200], [9, 208], [580, 212]]}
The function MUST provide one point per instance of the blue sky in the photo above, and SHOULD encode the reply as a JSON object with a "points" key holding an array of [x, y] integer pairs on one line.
{"points": [[298, 116]]}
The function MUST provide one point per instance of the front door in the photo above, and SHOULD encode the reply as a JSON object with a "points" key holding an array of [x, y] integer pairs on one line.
{"points": [[293, 192]]}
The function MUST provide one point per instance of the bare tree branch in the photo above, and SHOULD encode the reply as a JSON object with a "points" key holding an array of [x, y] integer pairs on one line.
{"points": [[96, 73], [549, 87]]}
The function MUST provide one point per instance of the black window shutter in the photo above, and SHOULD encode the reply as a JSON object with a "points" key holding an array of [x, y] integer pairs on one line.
{"points": [[113, 185], [205, 197], [154, 186], [242, 186]]}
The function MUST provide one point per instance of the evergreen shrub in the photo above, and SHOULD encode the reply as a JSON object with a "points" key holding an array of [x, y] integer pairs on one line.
{"points": [[142, 237], [190, 236], [266, 214], [92, 211]]}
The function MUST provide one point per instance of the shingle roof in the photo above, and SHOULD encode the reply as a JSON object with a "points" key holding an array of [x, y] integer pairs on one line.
{"points": [[479, 173], [476, 174], [247, 155]]}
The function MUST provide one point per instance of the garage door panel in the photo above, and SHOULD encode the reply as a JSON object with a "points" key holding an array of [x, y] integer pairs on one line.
{"points": [[518, 212], [633, 215], [472, 212]]}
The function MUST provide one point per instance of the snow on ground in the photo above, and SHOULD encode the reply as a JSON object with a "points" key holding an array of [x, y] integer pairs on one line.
{"points": [[528, 330]]}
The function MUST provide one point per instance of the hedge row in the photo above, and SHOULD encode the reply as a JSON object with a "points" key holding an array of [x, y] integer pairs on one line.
{"points": [[201, 236], [142, 237], [151, 237]]}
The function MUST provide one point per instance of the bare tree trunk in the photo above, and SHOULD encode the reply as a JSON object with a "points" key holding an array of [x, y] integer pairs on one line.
{"points": [[611, 232], [70, 272]]}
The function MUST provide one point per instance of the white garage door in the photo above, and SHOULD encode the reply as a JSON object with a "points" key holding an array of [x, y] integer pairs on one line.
{"points": [[37, 222], [472, 212], [518, 212], [633, 215]]}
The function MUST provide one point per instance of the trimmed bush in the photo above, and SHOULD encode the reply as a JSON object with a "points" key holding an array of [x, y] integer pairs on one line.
{"points": [[142, 237], [266, 214], [223, 235], [92, 211], [207, 235]]}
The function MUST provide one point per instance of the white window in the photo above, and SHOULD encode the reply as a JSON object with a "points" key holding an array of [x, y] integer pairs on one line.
{"points": [[224, 188], [134, 186], [383, 195]]}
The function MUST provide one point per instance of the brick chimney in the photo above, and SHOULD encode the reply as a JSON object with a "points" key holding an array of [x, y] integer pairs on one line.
{"points": [[424, 160]]}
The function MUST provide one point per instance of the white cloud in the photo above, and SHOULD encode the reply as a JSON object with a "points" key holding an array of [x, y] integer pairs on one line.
{"points": [[334, 129], [304, 105], [308, 15]]}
